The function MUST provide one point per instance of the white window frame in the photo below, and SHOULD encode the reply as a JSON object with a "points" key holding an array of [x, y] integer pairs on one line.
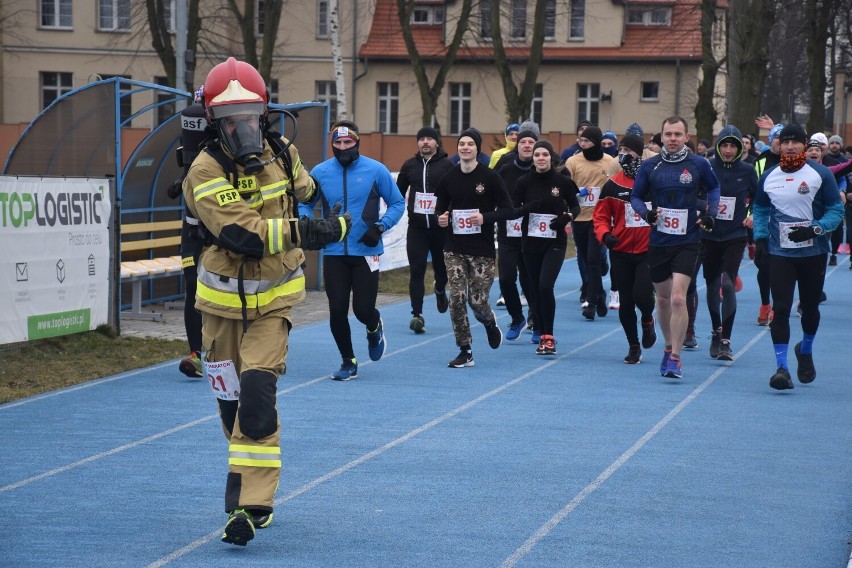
{"points": [[537, 104], [326, 92], [588, 102], [485, 31], [550, 21], [460, 106], [258, 18], [322, 19], [649, 15], [577, 21], [60, 13], [427, 15], [651, 84], [59, 89], [387, 107], [118, 18]]}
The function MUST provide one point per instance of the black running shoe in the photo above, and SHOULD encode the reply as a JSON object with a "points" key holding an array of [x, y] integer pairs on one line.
{"points": [[589, 312], [260, 519], [239, 529], [417, 324], [715, 343], [442, 300], [806, 372], [725, 353], [495, 336], [781, 379], [464, 359], [634, 355]]}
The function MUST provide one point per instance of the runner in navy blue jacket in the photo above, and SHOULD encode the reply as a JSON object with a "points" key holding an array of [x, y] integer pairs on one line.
{"points": [[684, 196], [722, 250]]}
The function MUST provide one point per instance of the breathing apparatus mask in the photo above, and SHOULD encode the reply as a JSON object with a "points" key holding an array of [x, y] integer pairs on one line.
{"points": [[241, 131]]}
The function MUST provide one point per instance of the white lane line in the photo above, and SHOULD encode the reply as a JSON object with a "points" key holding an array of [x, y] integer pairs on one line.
{"points": [[545, 529], [382, 449]]}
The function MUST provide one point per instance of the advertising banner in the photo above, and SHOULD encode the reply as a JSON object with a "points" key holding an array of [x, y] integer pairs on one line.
{"points": [[54, 263]]}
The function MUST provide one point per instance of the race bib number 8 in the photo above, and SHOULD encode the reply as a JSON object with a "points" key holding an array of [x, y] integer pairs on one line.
{"points": [[223, 379], [539, 226], [463, 222], [672, 221]]}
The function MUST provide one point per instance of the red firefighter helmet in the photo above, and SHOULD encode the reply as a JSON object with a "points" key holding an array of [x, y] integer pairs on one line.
{"points": [[234, 87]]}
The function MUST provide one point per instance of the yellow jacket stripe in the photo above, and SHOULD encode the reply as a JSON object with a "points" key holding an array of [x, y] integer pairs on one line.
{"points": [[275, 235], [254, 456], [253, 301], [210, 188]]}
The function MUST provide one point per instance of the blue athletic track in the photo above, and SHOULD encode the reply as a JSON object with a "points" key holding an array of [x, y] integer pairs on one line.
{"points": [[573, 461]]}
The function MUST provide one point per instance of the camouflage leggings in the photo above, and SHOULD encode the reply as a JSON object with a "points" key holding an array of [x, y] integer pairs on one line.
{"points": [[470, 279]]}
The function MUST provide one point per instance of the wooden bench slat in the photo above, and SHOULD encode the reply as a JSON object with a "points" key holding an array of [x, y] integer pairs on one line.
{"points": [[152, 227], [145, 244]]}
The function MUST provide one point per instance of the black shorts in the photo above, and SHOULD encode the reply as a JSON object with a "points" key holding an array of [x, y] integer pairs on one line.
{"points": [[722, 256], [664, 261]]}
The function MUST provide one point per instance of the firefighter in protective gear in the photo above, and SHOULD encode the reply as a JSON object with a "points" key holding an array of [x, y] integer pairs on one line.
{"points": [[243, 189]]}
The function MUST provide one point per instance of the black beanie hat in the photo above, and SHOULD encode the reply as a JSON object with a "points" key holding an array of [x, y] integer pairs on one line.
{"points": [[477, 138], [657, 139], [582, 123], [527, 134], [593, 134], [431, 133], [632, 142], [554, 157], [793, 132]]}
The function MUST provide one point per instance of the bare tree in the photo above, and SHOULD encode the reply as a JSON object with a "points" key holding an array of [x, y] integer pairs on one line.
{"points": [[246, 21], [705, 108], [337, 58], [518, 101], [818, 15], [161, 37], [429, 94], [749, 24]]}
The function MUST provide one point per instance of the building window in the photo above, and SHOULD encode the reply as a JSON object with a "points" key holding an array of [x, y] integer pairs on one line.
{"points": [[322, 18], [588, 102], [54, 85], [459, 107], [537, 104], [258, 18], [170, 15], [124, 102], [519, 20], [273, 91], [327, 93], [56, 14], [550, 20], [388, 109], [650, 91], [648, 16], [114, 15], [164, 109], [485, 19], [427, 15], [577, 25]]}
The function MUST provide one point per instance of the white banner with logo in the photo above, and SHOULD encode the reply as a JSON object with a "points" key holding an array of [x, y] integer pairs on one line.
{"points": [[54, 264]]}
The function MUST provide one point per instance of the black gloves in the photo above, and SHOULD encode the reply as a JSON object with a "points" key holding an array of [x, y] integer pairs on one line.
{"points": [[801, 234], [560, 222], [316, 233], [707, 222], [761, 253], [372, 235], [650, 216], [174, 190], [610, 240]]}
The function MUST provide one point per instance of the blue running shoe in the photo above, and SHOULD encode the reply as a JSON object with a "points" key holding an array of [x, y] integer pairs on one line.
{"points": [[667, 354], [515, 329], [536, 336], [673, 369], [376, 343], [348, 370]]}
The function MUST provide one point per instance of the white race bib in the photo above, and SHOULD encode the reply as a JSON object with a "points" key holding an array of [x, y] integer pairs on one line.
{"points": [[632, 219], [424, 203], [513, 227], [726, 208], [539, 226], [463, 222], [784, 233], [591, 197], [223, 379], [672, 221], [373, 262]]}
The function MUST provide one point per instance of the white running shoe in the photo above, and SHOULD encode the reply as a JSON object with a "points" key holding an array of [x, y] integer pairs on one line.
{"points": [[524, 301], [614, 302], [501, 302]]}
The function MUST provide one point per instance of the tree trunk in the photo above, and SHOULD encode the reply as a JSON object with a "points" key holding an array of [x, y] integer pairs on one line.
{"points": [[818, 15], [705, 110], [337, 57], [750, 22]]}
